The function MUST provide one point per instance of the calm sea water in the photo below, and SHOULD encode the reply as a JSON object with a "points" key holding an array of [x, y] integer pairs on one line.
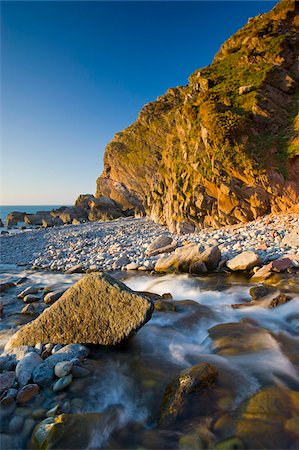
{"points": [[29, 209]]}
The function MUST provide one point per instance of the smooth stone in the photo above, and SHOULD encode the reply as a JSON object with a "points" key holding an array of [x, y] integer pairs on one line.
{"points": [[39, 347], [15, 425], [56, 348], [26, 367], [29, 424], [31, 299], [38, 414], [63, 368], [79, 372], [27, 393], [51, 297], [28, 291], [7, 407], [132, 266], [7, 442], [17, 353], [7, 380], [79, 268], [12, 393], [55, 411], [62, 383], [244, 261]]}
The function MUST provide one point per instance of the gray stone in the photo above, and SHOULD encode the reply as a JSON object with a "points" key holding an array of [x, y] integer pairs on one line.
{"points": [[15, 425], [27, 393], [62, 383], [26, 366], [63, 368], [28, 291], [7, 380], [76, 269], [79, 372]]}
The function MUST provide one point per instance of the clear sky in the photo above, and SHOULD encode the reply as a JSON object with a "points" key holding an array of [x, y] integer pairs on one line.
{"points": [[75, 73]]}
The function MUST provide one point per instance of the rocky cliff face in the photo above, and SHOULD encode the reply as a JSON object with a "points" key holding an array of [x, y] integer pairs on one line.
{"points": [[225, 148]]}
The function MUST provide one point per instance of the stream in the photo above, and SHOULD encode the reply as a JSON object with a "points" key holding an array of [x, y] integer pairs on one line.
{"points": [[255, 349]]}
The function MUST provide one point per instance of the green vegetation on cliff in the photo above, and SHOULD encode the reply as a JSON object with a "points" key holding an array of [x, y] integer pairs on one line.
{"points": [[224, 148]]}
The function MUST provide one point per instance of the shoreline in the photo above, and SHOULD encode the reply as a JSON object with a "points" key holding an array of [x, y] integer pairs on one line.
{"points": [[122, 244]]}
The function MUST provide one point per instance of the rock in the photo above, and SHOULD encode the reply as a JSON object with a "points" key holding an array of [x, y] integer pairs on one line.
{"points": [[291, 239], [281, 299], [265, 272], [44, 373], [244, 261], [63, 368], [132, 266], [56, 348], [13, 218], [259, 292], [26, 366], [98, 309], [15, 425], [33, 309], [51, 297], [191, 380], [164, 305], [63, 383], [245, 89], [27, 393], [54, 411], [185, 258], [76, 269], [7, 442], [6, 285], [7, 380], [1, 224], [232, 443], [31, 299], [76, 431], [28, 291], [18, 352], [162, 244]]}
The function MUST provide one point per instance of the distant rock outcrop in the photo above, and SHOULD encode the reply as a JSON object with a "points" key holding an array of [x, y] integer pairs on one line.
{"points": [[223, 149]]}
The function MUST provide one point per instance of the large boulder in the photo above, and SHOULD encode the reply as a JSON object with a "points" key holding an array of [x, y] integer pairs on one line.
{"points": [[188, 257], [244, 261], [98, 309], [37, 219]]}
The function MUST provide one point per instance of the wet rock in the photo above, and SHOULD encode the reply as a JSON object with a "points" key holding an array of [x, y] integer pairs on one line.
{"points": [[63, 368], [281, 299], [244, 261], [164, 305], [75, 431], [17, 352], [26, 366], [27, 393], [32, 309], [76, 269], [55, 411], [56, 348], [132, 266], [31, 298], [191, 380], [28, 291], [12, 393], [259, 292], [262, 420], [39, 414], [62, 383], [7, 380], [239, 338], [51, 297], [98, 309], [6, 285], [198, 267], [277, 266]]}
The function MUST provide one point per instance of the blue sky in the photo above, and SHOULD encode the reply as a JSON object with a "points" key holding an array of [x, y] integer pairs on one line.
{"points": [[75, 73]]}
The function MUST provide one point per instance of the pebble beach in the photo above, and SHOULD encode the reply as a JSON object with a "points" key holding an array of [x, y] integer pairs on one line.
{"points": [[122, 243]]}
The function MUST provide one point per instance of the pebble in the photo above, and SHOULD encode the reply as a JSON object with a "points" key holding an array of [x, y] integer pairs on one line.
{"points": [[27, 393], [62, 383], [7, 380], [80, 372], [63, 368], [26, 367], [56, 348], [15, 425]]}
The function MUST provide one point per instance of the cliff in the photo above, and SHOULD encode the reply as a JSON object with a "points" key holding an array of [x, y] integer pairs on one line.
{"points": [[224, 148]]}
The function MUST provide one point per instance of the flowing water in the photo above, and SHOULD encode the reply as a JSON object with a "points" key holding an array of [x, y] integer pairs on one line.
{"points": [[253, 404]]}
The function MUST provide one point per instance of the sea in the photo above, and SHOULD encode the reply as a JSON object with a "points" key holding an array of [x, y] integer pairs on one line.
{"points": [[29, 209]]}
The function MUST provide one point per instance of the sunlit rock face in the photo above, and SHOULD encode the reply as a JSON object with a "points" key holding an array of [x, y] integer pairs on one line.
{"points": [[223, 149]]}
